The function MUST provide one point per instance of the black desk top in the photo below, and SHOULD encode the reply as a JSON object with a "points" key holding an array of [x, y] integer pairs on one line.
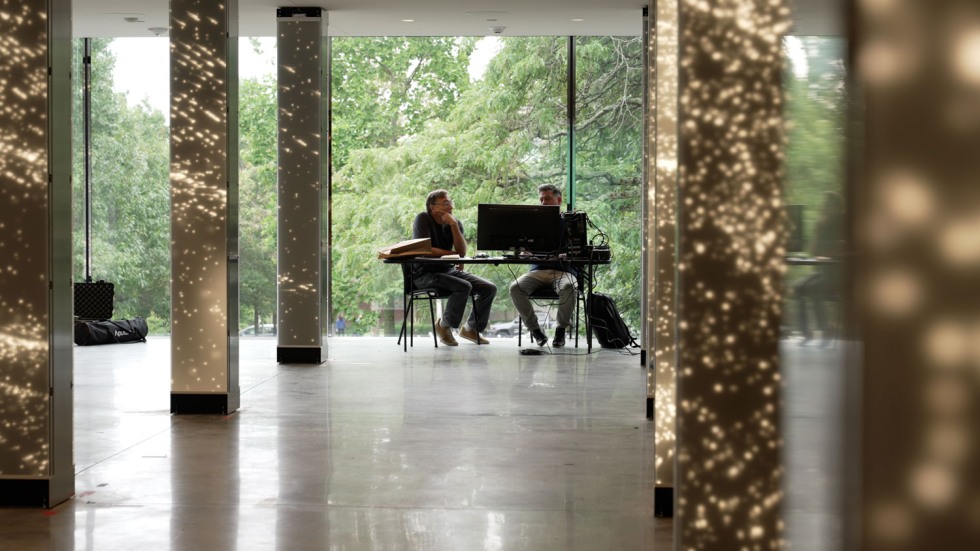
{"points": [[494, 260], [811, 260]]}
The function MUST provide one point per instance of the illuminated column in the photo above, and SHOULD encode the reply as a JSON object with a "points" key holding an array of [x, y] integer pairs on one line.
{"points": [[204, 206], [729, 478], [36, 465], [917, 224], [661, 199], [303, 156]]}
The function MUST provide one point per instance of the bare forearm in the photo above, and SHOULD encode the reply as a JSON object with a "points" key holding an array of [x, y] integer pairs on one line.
{"points": [[437, 252], [458, 242]]}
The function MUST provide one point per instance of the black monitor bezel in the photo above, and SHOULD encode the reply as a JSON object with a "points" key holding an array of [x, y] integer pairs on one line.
{"points": [[531, 221]]}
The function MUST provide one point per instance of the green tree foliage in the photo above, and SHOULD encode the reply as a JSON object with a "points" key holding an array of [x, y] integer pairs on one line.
{"points": [[385, 88], [609, 155], [385, 92], [130, 197], [407, 119], [257, 200], [506, 135], [815, 115]]}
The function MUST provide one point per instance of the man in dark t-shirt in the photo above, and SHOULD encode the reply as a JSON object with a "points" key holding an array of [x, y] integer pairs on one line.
{"points": [[446, 234]]}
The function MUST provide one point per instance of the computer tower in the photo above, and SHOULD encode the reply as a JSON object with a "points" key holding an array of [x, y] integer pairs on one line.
{"points": [[576, 240]]}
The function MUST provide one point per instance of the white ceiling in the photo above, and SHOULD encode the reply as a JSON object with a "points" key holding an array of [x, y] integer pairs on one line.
{"points": [[133, 18]]}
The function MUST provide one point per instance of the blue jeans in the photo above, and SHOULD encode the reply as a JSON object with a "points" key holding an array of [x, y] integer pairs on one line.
{"points": [[461, 285]]}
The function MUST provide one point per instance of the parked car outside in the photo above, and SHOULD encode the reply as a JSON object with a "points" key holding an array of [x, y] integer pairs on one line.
{"points": [[265, 330], [509, 328]]}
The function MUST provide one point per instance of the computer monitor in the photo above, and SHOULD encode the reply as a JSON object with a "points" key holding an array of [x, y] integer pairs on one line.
{"points": [[518, 228]]}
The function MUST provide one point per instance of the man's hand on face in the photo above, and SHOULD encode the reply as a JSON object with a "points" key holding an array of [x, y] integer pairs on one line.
{"points": [[442, 214]]}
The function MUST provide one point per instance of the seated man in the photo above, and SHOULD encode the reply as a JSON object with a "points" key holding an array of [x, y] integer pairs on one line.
{"points": [[446, 232], [561, 278], [824, 282]]}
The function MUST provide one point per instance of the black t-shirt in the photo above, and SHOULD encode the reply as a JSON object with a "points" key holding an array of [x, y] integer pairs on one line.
{"points": [[441, 236]]}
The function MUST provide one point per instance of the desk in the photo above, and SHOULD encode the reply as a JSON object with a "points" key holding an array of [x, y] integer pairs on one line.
{"points": [[810, 261], [586, 264]]}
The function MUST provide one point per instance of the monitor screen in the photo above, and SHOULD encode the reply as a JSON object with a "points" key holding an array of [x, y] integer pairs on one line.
{"points": [[518, 228]]}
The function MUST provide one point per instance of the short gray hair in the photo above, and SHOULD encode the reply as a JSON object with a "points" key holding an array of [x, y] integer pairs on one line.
{"points": [[433, 197], [550, 187]]}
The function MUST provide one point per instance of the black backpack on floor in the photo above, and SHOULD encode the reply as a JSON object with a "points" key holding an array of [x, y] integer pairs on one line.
{"points": [[607, 325]]}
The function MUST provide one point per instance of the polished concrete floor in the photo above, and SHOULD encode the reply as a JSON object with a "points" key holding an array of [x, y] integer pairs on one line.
{"points": [[438, 449]]}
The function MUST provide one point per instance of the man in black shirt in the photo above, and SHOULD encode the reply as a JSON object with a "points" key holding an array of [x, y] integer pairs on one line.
{"points": [[446, 233]]}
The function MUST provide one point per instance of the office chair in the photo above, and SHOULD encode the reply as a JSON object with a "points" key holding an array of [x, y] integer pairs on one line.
{"points": [[410, 294], [547, 293]]}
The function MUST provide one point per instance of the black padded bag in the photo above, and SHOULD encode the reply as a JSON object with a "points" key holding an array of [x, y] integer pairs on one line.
{"points": [[88, 333], [607, 325], [93, 300]]}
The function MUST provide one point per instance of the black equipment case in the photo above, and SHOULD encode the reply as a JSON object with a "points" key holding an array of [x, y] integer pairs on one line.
{"points": [[93, 300]]}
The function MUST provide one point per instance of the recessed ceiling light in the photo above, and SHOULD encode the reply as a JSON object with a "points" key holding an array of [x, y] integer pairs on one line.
{"points": [[578, 20], [408, 21]]}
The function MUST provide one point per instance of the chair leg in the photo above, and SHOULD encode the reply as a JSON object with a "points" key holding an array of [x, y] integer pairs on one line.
{"points": [[520, 331], [576, 320], [401, 334], [411, 336], [432, 319], [409, 306]]}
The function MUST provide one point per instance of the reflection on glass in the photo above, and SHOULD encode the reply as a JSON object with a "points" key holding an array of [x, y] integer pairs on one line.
{"points": [[813, 308]]}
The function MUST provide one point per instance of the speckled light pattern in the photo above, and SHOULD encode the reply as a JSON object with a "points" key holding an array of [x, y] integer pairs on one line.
{"points": [[203, 145], [916, 221], [24, 352], [301, 177], [730, 477], [663, 165]]}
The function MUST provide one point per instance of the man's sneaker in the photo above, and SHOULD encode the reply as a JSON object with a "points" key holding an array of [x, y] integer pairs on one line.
{"points": [[472, 335], [539, 337], [445, 334], [559, 340]]}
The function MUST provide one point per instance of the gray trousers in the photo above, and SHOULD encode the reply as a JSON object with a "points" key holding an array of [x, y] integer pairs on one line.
{"points": [[562, 282]]}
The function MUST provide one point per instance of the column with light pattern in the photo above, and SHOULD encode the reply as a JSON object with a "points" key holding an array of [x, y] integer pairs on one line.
{"points": [[36, 465], [729, 480], [915, 215], [302, 171], [204, 206]]}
